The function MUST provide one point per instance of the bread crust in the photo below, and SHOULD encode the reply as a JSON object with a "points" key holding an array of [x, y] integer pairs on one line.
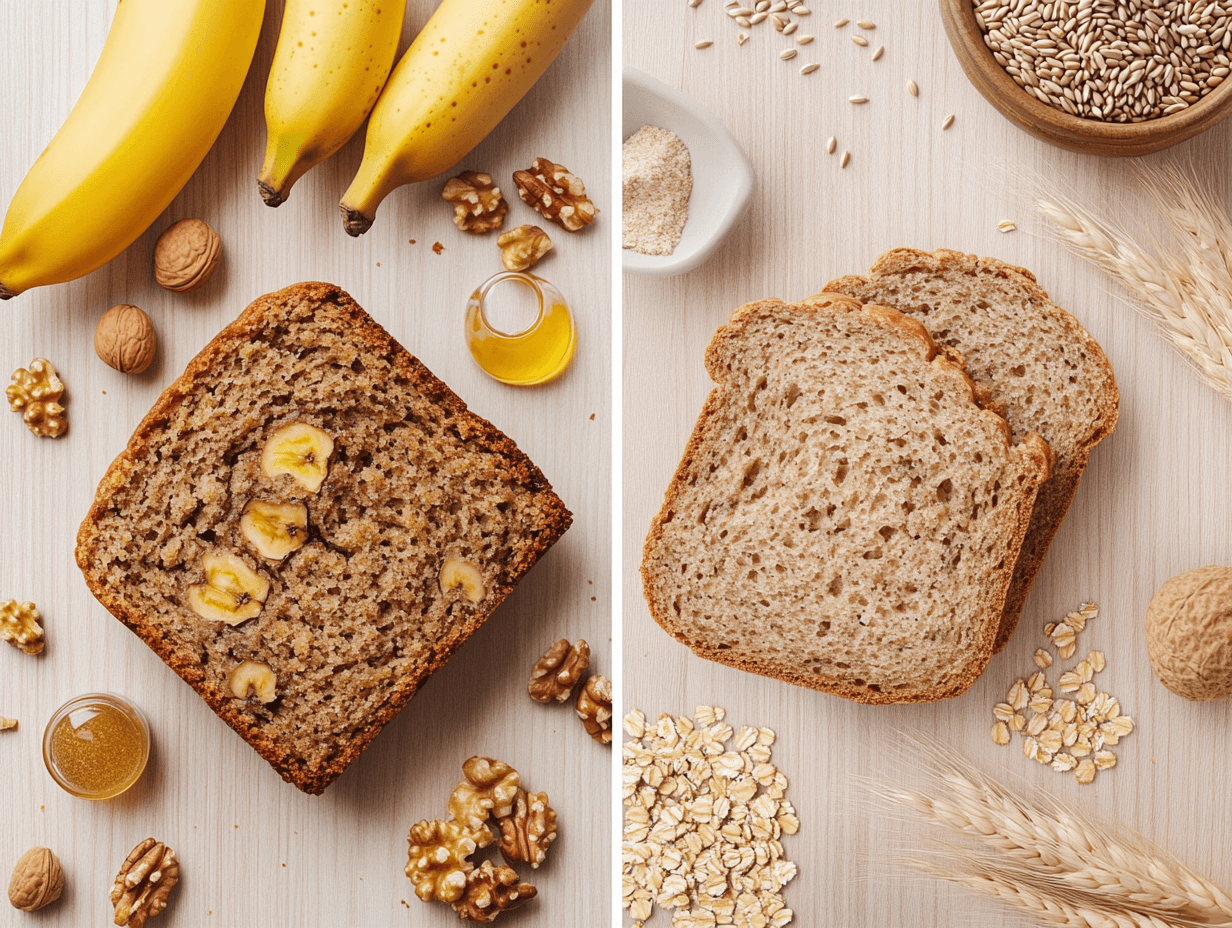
{"points": [[723, 345], [372, 338], [1057, 494]]}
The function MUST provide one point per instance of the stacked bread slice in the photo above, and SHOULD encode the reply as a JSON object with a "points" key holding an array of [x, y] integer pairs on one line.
{"points": [[847, 514], [853, 512], [1039, 366]]}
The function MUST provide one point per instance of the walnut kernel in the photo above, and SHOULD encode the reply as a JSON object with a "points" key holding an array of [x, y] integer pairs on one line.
{"points": [[185, 255], [36, 393], [144, 882], [37, 880], [523, 247], [556, 194], [529, 829], [124, 339], [478, 204], [556, 673], [491, 890], [7, 724], [594, 708], [489, 789], [19, 626], [438, 859]]}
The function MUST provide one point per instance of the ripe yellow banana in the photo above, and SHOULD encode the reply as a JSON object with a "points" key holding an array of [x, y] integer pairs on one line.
{"points": [[468, 67], [332, 60], [169, 74]]}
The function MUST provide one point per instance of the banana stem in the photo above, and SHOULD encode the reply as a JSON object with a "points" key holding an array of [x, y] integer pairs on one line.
{"points": [[6, 293]]}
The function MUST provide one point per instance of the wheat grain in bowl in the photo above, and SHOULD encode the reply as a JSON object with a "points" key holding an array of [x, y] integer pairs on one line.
{"points": [[1109, 61]]}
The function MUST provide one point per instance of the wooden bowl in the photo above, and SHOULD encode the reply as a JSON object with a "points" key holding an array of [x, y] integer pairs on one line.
{"points": [[1087, 136]]}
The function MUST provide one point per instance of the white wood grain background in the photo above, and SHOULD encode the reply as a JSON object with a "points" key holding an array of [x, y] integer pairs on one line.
{"points": [[254, 850], [1154, 501]]}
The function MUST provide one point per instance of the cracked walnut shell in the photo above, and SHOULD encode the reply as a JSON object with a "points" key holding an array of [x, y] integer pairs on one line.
{"points": [[1189, 633], [186, 255], [556, 194], [491, 890], [556, 673], [438, 859], [489, 789], [37, 880], [19, 626], [529, 830], [36, 393], [124, 339], [478, 204], [522, 247], [144, 882], [594, 708]]}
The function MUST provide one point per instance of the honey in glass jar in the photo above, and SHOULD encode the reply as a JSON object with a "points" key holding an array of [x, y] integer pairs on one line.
{"points": [[96, 746]]}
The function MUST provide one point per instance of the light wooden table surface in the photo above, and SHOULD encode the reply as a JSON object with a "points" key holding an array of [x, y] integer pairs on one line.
{"points": [[1154, 501], [254, 850]]}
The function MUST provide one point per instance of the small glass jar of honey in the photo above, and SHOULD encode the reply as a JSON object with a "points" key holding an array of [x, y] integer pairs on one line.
{"points": [[531, 355], [96, 746]]}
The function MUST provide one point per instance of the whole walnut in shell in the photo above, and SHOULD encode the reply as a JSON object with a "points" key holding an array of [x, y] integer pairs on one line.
{"points": [[124, 339], [1189, 633], [185, 255], [37, 880]]}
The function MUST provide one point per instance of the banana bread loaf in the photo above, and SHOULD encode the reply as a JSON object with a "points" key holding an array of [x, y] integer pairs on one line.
{"points": [[307, 524]]}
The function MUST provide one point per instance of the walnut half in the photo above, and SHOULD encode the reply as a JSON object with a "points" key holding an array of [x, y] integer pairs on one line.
{"points": [[19, 626], [36, 392], [144, 882], [478, 204], [491, 890], [556, 194], [594, 708], [489, 788], [522, 247], [439, 858], [529, 830], [556, 673]]}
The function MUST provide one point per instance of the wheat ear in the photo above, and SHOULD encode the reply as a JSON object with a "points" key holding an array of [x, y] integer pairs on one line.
{"points": [[1048, 909], [1188, 293], [1058, 851]]}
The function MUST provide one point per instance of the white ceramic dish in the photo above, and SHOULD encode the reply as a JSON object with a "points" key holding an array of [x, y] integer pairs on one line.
{"points": [[722, 174]]}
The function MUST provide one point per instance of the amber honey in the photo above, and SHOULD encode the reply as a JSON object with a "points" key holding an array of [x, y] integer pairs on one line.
{"points": [[96, 746], [532, 355]]}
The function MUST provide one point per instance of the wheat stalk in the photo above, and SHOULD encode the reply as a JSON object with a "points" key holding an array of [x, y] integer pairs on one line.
{"points": [[1187, 291], [1059, 854]]}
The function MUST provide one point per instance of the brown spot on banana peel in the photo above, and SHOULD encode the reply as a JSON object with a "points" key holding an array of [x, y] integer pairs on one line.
{"points": [[6, 293]]}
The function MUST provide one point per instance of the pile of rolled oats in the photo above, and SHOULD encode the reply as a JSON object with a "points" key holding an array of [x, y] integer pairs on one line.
{"points": [[1066, 734], [703, 822]]}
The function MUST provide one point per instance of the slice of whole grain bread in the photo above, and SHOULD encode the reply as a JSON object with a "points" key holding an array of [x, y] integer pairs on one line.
{"points": [[356, 619], [846, 515], [1041, 368]]}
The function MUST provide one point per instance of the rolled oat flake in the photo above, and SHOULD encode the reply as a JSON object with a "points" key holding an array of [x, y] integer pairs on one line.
{"points": [[657, 183]]}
